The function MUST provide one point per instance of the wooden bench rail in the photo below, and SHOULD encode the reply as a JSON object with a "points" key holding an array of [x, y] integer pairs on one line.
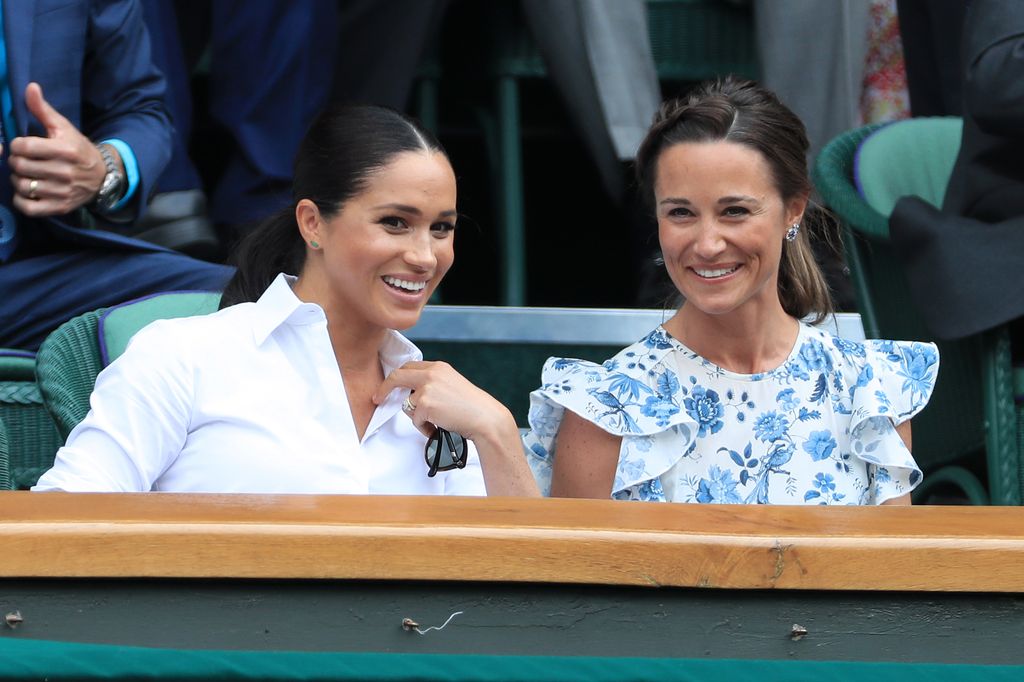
{"points": [[971, 549]]}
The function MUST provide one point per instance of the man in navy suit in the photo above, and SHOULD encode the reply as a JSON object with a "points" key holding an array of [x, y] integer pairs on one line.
{"points": [[85, 135]]}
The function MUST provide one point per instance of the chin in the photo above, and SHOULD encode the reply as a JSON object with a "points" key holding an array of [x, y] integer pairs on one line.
{"points": [[713, 308], [403, 321]]}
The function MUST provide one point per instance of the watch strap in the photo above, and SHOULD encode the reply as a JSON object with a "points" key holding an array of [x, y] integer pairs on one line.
{"points": [[113, 185]]}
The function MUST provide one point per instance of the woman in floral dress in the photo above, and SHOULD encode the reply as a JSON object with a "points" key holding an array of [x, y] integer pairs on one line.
{"points": [[734, 399]]}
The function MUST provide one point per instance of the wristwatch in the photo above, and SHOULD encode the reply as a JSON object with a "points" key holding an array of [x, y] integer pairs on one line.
{"points": [[113, 186]]}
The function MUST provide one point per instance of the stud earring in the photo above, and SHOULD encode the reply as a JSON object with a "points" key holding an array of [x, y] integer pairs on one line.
{"points": [[314, 244], [792, 232]]}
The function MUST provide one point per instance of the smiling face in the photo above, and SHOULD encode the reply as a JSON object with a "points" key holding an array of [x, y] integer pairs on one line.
{"points": [[383, 254], [721, 224]]}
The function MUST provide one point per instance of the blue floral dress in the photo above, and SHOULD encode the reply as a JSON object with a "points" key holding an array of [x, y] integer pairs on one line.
{"points": [[819, 429]]}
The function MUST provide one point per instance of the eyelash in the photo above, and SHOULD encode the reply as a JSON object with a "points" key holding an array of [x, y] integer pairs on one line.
{"points": [[728, 212], [393, 222], [397, 223]]}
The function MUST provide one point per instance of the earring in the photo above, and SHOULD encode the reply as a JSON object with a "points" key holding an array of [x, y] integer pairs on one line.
{"points": [[314, 244], [792, 232]]}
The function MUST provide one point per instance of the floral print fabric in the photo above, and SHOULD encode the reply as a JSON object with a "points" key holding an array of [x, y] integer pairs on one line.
{"points": [[819, 429]]}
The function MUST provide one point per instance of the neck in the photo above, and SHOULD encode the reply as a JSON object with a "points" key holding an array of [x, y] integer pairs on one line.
{"points": [[743, 341], [356, 346]]}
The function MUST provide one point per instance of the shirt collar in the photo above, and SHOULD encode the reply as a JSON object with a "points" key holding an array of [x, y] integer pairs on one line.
{"points": [[279, 306]]}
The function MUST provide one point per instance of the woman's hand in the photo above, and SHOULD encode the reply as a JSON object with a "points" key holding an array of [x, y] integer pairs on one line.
{"points": [[443, 397]]}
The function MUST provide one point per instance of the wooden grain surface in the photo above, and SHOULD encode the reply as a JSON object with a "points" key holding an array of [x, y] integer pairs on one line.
{"points": [[972, 549]]}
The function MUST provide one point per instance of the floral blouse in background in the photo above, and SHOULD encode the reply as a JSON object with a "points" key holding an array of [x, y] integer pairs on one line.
{"points": [[819, 429]]}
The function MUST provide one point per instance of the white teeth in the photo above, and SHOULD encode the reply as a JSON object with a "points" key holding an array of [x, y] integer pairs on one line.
{"points": [[403, 284], [716, 273]]}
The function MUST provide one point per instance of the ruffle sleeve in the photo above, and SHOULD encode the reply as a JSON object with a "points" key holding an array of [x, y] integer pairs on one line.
{"points": [[894, 382], [634, 395]]}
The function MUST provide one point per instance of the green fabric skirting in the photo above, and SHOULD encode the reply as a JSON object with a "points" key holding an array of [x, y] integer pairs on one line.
{"points": [[23, 659]]}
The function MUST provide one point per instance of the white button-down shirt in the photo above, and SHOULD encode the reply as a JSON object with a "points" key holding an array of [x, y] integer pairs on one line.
{"points": [[248, 399]]}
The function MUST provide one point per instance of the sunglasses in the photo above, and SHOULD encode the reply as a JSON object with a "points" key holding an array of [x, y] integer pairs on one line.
{"points": [[445, 451]]}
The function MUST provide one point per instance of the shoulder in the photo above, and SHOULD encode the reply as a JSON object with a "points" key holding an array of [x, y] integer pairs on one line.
{"points": [[635, 361], [227, 327], [880, 353], [634, 392], [881, 376]]}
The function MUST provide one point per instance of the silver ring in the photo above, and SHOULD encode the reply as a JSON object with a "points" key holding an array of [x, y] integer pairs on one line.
{"points": [[407, 406], [32, 187]]}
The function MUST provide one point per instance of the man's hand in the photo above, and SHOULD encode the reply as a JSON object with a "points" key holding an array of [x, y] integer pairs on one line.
{"points": [[56, 174]]}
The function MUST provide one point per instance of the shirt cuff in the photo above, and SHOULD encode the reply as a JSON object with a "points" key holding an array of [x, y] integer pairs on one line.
{"points": [[131, 171]]}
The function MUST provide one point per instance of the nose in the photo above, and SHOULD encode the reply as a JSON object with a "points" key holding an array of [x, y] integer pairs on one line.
{"points": [[708, 243], [419, 252]]}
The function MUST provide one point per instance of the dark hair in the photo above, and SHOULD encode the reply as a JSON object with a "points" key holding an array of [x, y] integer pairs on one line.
{"points": [[342, 149], [743, 112]]}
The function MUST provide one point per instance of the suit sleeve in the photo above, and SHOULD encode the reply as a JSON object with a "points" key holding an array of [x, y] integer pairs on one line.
{"points": [[123, 92]]}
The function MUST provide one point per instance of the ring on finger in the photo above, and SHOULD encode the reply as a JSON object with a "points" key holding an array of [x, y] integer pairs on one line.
{"points": [[407, 405], [32, 187]]}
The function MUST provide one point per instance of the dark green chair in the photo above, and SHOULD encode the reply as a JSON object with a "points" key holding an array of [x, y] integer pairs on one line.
{"points": [[32, 438], [5, 469], [970, 425], [75, 353]]}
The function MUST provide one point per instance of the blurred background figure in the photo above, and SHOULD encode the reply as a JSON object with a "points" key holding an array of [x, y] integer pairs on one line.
{"points": [[268, 68], [85, 136], [931, 33], [538, 102], [964, 261]]}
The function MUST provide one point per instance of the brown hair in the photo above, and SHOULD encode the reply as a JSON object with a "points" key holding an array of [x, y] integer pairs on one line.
{"points": [[743, 112]]}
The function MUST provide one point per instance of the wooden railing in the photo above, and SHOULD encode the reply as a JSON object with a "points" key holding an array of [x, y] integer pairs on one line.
{"points": [[159, 535]]}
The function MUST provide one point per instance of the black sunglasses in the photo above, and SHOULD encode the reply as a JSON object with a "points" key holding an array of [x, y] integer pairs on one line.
{"points": [[445, 451]]}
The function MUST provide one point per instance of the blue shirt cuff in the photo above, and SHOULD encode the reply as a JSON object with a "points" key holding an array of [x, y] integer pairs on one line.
{"points": [[131, 171]]}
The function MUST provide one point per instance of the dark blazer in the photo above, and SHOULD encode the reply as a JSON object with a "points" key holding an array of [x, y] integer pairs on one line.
{"points": [[92, 59], [964, 264]]}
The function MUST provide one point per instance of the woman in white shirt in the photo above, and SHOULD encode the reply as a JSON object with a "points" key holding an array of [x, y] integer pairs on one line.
{"points": [[299, 384]]}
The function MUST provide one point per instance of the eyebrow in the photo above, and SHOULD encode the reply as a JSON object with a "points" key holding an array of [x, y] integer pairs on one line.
{"points": [[413, 210], [724, 200]]}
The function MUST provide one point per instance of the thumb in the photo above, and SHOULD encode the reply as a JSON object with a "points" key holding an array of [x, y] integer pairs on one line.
{"points": [[41, 109]]}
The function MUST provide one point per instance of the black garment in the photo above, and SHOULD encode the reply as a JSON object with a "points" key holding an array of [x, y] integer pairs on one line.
{"points": [[930, 31], [964, 263]]}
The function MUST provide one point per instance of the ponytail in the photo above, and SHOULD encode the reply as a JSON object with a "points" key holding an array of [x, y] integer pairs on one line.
{"points": [[274, 247]]}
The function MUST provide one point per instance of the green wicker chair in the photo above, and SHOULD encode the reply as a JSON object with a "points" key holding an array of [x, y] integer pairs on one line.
{"points": [[969, 425], [32, 438], [73, 355], [5, 469]]}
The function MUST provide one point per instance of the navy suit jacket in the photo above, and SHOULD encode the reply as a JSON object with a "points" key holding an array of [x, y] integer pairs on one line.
{"points": [[92, 59]]}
